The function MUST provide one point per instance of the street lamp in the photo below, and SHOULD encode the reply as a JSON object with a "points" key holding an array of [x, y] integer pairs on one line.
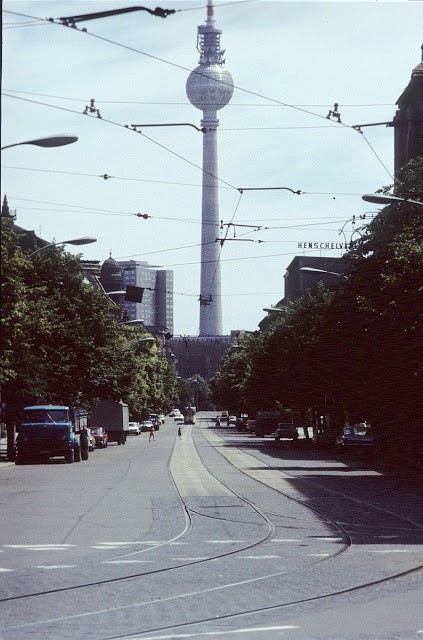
{"points": [[379, 198], [313, 270], [49, 141], [76, 241], [133, 322], [275, 309]]}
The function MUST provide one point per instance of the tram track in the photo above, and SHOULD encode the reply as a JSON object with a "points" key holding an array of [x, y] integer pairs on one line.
{"points": [[270, 519]]}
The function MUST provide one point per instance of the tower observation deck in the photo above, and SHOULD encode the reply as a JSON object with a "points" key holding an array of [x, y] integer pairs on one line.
{"points": [[209, 88]]}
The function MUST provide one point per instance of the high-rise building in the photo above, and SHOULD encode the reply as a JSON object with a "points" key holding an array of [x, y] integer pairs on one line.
{"points": [[209, 88], [156, 308]]}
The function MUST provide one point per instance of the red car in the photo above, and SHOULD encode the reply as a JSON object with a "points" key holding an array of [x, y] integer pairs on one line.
{"points": [[100, 436]]}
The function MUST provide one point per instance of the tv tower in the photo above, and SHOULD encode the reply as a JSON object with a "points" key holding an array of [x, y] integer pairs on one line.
{"points": [[209, 88]]}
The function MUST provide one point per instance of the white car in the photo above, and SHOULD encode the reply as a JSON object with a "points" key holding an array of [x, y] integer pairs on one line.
{"points": [[146, 425], [134, 429]]}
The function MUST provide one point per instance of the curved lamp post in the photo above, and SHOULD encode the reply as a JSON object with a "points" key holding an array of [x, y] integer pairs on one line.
{"points": [[132, 322], [275, 309], [380, 198], [76, 241], [332, 273], [49, 141]]}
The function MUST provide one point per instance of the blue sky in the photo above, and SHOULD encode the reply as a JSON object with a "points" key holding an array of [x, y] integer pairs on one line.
{"points": [[290, 62]]}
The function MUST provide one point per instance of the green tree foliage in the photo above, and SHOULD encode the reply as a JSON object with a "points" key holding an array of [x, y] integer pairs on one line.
{"points": [[229, 384], [194, 392], [60, 340], [355, 350]]}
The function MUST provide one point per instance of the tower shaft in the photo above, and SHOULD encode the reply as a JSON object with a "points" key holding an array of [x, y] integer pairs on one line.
{"points": [[210, 88], [210, 289]]}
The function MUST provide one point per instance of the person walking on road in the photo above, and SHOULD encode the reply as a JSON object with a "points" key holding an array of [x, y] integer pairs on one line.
{"points": [[179, 432], [151, 433]]}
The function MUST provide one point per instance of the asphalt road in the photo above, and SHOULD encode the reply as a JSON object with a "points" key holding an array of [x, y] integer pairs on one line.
{"points": [[214, 534]]}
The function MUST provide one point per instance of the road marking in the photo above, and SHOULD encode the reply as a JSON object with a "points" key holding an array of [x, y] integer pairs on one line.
{"points": [[40, 547], [257, 557], [56, 566], [191, 559], [126, 561], [224, 541], [4, 570], [204, 634], [287, 540]]}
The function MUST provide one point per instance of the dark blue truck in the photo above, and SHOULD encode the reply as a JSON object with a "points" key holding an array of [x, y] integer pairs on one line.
{"points": [[48, 431]]}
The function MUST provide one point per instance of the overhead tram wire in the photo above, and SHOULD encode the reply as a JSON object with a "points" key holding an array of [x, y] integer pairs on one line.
{"points": [[127, 128], [156, 102], [181, 67]]}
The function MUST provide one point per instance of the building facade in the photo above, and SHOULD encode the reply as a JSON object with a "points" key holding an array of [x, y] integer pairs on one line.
{"points": [[156, 308], [408, 121]]}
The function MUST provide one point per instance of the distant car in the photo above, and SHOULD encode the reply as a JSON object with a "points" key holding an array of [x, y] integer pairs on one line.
{"points": [[100, 437], [232, 420], [91, 440], [146, 425], [241, 422], [286, 430], [224, 416], [357, 436], [134, 429], [155, 420], [162, 417], [250, 426], [178, 417], [174, 412]]}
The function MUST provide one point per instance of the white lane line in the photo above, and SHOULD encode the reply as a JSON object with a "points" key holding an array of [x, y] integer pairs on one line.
{"points": [[40, 547], [224, 541], [4, 570], [257, 557], [191, 559], [56, 566], [209, 634], [287, 540], [134, 561]]}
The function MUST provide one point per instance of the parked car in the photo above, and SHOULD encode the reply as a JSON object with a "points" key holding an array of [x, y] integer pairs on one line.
{"points": [[224, 416], [91, 440], [100, 437], [286, 430], [357, 436], [241, 422], [155, 420], [146, 425], [232, 420], [250, 426], [134, 429]]}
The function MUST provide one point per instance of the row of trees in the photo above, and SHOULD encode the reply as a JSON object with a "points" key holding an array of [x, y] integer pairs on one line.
{"points": [[353, 351], [61, 343]]}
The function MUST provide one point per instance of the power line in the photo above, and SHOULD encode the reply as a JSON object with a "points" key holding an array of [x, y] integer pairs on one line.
{"points": [[249, 92], [187, 104]]}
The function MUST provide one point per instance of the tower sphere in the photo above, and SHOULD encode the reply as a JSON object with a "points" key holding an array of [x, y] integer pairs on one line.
{"points": [[209, 87]]}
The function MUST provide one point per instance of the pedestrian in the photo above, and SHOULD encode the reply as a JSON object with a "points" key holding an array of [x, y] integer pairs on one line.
{"points": [[179, 432], [151, 433]]}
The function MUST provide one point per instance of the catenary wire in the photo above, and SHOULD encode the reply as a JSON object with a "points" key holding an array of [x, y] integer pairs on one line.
{"points": [[247, 91]]}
